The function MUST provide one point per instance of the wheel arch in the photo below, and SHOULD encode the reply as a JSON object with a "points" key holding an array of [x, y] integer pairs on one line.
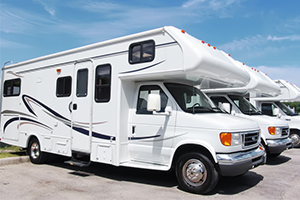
{"points": [[31, 136], [183, 148]]}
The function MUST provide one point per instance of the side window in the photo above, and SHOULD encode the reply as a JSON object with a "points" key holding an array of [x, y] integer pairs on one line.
{"points": [[143, 98], [82, 82], [12, 87], [267, 109], [141, 52], [103, 83], [63, 86]]}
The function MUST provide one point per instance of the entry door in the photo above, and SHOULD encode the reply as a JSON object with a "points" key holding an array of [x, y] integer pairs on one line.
{"points": [[81, 106], [151, 136]]}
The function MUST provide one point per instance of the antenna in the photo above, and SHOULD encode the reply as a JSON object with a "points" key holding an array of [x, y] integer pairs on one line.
{"points": [[7, 63]]}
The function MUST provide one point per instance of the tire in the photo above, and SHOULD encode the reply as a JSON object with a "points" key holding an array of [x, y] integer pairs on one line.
{"points": [[196, 173], [295, 136], [36, 156]]}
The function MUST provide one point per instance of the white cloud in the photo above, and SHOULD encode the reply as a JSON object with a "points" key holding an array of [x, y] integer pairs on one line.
{"points": [[192, 3], [15, 20], [288, 73], [11, 45], [246, 43], [48, 6], [289, 37]]}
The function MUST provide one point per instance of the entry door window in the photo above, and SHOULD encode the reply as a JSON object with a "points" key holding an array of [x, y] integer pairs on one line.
{"points": [[82, 82]]}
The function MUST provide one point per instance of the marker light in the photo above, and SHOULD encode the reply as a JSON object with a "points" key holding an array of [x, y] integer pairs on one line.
{"points": [[208, 45], [273, 130], [58, 70], [182, 31], [215, 48]]}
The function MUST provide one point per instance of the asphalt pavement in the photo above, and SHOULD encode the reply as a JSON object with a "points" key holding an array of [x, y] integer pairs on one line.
{"points": [[278, 179]]}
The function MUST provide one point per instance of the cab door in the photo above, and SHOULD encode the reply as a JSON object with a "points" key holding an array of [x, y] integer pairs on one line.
{"points": [[151, 135]]}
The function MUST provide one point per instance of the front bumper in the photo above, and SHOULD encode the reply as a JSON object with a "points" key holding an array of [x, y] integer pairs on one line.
{"points": [[239, 163], [278, 146]]}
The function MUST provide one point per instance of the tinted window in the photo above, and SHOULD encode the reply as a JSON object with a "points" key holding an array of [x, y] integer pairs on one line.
{"points": [[141, 52], [63, 86], [103, 83], [12, 87], [82, 82]]}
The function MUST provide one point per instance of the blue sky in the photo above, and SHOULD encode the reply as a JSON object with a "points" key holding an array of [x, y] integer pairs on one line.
{"points": [[264, 34]]}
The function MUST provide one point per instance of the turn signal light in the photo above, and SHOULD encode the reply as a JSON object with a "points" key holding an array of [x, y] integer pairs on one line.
{"points": [[271, 130], [225, 139]]}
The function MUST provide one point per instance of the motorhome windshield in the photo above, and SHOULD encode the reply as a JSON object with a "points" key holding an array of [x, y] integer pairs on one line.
{"points": [[285, 109], [191, 99], [244, 105]]}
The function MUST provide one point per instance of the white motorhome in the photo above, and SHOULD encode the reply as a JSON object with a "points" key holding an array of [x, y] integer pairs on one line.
{"points": [[130, 102], [271, 105], [274, 132]]}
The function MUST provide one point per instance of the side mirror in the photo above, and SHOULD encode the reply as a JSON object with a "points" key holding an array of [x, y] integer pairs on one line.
{"points": [[226, 107], [276, 112], [153, 103]]}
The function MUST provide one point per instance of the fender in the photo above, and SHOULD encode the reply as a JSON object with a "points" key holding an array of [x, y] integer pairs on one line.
{"points": [[201, 143]]}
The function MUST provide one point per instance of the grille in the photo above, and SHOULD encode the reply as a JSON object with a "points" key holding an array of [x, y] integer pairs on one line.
{"points": [[250, 138], [285, 132]]}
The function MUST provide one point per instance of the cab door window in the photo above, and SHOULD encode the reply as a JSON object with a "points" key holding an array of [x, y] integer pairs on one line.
{"points": [[143, 98]]}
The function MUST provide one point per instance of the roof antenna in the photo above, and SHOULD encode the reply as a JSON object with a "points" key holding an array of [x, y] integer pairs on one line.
{"points": [[7, 63]]}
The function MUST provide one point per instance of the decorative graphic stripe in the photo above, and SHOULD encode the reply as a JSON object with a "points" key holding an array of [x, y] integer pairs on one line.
{"points": [[142, 138], [141, 69], [23, 119], [26, 102]]}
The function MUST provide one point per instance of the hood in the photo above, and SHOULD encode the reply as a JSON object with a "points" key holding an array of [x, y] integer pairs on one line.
{"points": [[266, 120], [218, 121]]}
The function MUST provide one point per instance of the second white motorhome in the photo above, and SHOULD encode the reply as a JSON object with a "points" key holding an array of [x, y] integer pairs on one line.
{"points": [[131, 102], [274, 132], [271, 105]]}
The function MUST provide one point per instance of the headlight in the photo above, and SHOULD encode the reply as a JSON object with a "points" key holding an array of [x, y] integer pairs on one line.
{"points": [[274, 130], [230, 139]]}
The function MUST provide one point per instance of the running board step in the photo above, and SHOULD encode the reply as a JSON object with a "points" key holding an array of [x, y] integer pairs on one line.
{"points": [[79, 163]]}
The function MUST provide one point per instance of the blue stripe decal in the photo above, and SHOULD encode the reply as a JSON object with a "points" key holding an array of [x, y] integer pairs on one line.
{"points": [[142, 138], [143, 68], [43, 105], [23, 119]]}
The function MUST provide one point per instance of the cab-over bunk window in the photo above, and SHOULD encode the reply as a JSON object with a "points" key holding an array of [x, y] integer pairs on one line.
{"points": [[141, 52], [12, 87]]}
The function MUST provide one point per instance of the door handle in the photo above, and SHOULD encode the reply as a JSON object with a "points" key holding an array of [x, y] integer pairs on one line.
{"points": [[74, 106], [70, 107]]}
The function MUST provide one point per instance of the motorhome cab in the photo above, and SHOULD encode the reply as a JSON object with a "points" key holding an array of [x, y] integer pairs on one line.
{"points": [[131, 102], [274, 132], [273, 106]]}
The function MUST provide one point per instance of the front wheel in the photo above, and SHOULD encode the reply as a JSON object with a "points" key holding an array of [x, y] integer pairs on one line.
{"points": [[196, 173], [34, 151], [295, 136]]}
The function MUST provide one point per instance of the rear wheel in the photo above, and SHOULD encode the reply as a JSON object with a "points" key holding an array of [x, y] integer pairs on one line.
{"points": [[295, 136], [34, 151], [196, 173]]}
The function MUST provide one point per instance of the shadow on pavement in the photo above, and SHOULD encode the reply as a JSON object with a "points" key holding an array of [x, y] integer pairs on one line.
{"points": [[226, 185]]}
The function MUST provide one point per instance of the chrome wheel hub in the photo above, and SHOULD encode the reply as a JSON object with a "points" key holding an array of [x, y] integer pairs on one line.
{"points": [[295, 139], [34, 151], [194, 172]]}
